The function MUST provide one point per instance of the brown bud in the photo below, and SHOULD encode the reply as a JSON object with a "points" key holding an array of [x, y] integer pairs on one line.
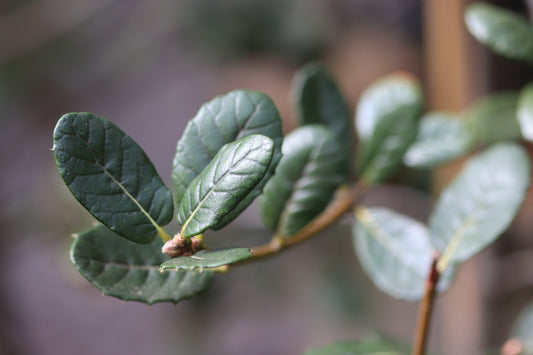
{"points": [[179, 246]]}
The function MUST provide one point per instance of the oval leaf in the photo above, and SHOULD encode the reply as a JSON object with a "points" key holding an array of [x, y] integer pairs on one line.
{"points": [[319, 100], [523, 329], [206, 259], [387, 123], [311, 169], [223, 120], [441, 138], [225, 182], [494, 118], [478, 205], [130, 271], [395, 251], [525, 112], [369, 347], [504, 32], [111, 176]]}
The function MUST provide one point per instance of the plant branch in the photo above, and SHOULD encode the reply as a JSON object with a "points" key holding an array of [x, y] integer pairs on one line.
{"points": [[344, 201], [425, 309]]}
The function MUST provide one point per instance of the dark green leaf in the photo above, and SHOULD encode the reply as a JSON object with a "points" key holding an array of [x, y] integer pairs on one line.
{"points": [[130, 271], [387, 123], [504, 32], [441, 137], [206, 259], [372, 347], [223, 120], [320, 101], [480, 203], [311, 169], [525, 112], [225, 182], [523, 329], [494, 118], [111, 176], [396, 252]]}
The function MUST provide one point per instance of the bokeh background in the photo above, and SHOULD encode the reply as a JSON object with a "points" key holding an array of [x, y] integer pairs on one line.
{"points": [[148, 66]]}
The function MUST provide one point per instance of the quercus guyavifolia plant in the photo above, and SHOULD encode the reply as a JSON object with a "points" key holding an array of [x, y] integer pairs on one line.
{"points": [[233, 151]]}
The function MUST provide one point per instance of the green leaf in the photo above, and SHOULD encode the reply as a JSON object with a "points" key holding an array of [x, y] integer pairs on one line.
{"points": [[311, 169], [206, 259], [225, 182], [525, 112], [319, 100], [494, 118], [111, 176], [372, 347], [523, 329], [504, 32], [441, 138], [223, 120], [387, 123], [480, 203], [130, 271], [396, 252]]}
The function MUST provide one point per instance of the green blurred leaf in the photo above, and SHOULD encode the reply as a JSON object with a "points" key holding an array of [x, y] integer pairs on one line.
{"points": [[130, 271], [372, 347], [480, 203], [111, 176], [234, 172], [206, 259], [441, 138], [319, 100], [223, 120], [396, 252], [387, 123], [504, 32], [525, 112], [523, 329], [494, 118], [311, 169]]}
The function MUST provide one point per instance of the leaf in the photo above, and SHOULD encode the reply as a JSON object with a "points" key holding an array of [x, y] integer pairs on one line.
{"points": [[525, 112], [130, 271], [494, 118], [387, 123], [311, 169], [441, 138], [225, 182], [504, 32], [396, 252], [111, 176], [523, 329], [206, 259], [223, 120], [320, 101], [372, 347], [480, 203]]}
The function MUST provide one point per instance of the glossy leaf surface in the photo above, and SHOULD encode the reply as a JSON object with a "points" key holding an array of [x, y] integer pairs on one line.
{"points": [[372, 347], [395, 251], [206, 259], [523, 329], [320, 101], [234, 172], [387, 123], [223, 120], [441, 137], [111, 176], [311, 169], [504, 32], [525, 112], [480, 203], [494, 118], [130, 271]]}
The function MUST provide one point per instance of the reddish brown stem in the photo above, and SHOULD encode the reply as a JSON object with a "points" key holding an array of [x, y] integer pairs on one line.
{"points": [[426, 308]]}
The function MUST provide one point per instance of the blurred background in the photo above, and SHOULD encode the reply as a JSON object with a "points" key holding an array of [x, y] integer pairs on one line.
{"points": [[148, 66]]}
